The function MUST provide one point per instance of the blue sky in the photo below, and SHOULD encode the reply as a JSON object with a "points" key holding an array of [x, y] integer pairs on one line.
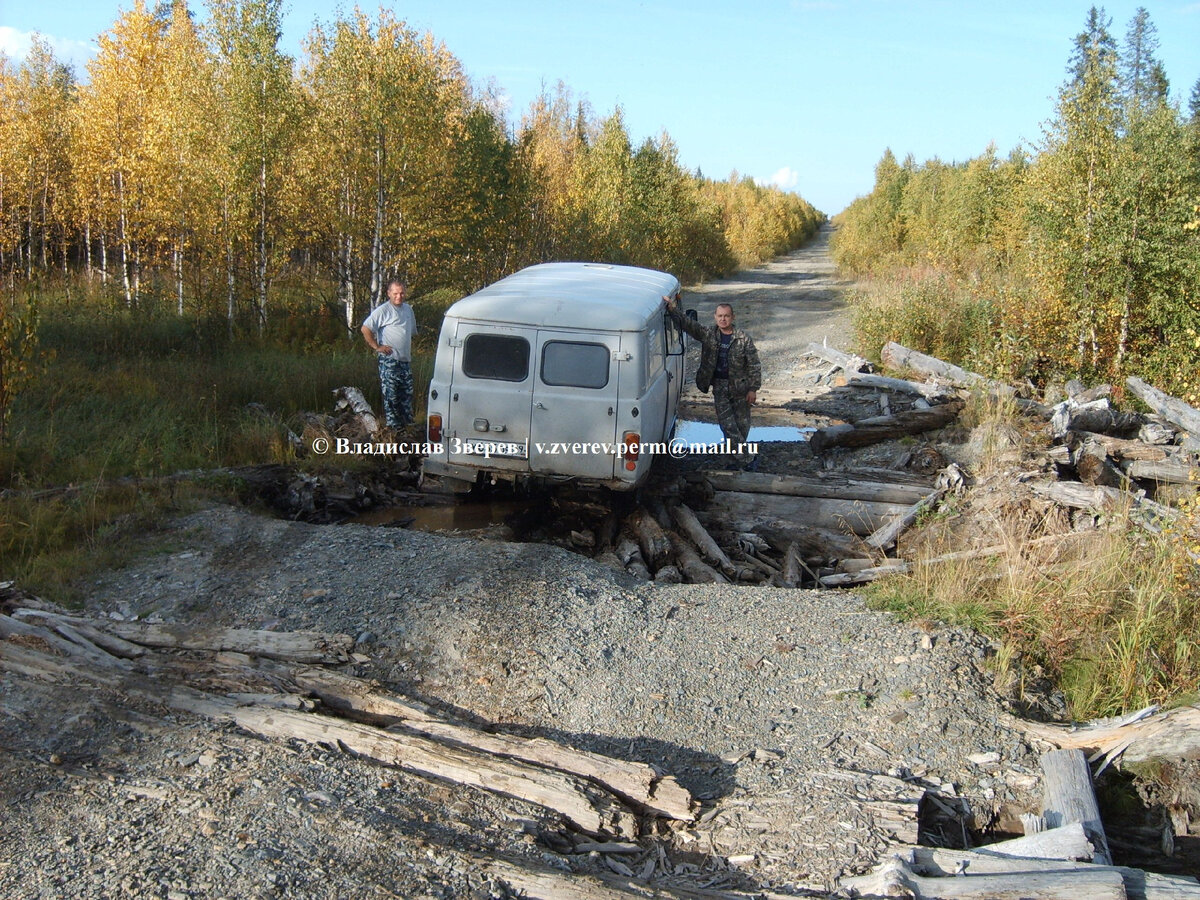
{"points": [[806, 93]]}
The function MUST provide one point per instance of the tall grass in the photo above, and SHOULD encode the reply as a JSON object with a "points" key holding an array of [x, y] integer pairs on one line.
{"points": [[121, 400]]}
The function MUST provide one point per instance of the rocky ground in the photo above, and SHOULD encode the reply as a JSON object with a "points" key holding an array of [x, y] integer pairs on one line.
{"points": [[800, 720]]}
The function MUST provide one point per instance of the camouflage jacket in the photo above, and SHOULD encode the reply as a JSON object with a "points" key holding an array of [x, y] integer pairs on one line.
{"points": [[745, 372]]}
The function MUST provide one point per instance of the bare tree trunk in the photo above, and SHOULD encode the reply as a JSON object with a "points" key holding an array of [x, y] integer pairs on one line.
{"points": [[123, 235], [380, 206]]}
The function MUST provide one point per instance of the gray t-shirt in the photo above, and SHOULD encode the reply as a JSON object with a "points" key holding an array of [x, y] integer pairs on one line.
{"points": [[394, 326]]}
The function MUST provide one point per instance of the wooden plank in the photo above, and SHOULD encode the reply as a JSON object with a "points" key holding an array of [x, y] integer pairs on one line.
{"points": [[1068, 796], [830, 487], [857, 516]]}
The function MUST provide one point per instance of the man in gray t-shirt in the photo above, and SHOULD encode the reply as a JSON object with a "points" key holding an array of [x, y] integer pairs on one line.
{"points": [[389, 330]]}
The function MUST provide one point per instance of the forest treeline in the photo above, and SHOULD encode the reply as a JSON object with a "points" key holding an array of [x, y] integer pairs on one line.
{"points": [[199, 169], [1080, 256]]}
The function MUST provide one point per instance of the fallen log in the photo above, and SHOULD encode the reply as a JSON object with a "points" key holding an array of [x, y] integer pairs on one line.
{"points": [[814, 543], [1093, 467], [1167, 471], [630, 556], [656, 549], [1145, 735], [1139, 885], [289, 646], [885, 428], [695, 570], [864, 576], [1097, 416], [586, 807], [352, 399], [895, 878], [826, 487], [1122, 449], [1170, 408], [886, 535], [710, 552], [931, 392], [858, 516], [792, 563], [897, 356], [847, 362], [1068, 797], [636, 783]]}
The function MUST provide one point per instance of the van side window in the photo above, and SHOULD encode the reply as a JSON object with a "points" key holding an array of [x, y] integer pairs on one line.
{"points": [[496, 356], [674, 338], [575, 364], [654, 348]]}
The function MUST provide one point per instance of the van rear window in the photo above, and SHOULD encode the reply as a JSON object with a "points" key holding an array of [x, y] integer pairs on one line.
{"points": [[574, 364], [496, 356]]}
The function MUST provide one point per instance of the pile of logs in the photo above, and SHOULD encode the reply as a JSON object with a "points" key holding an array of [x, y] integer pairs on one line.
{"points": [[1064, 856], [279, 685]]}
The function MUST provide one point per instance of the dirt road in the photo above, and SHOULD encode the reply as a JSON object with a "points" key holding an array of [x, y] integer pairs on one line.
{"points": [[784, 304]]}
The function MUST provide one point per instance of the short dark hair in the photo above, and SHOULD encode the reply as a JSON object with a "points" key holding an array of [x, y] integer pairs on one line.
{"points": [[400, 281], [728, 306]]}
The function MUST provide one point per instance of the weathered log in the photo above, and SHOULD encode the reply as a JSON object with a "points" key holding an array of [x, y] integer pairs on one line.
{"points": [[897, 356], [1068, 797], [895, 878], [828, 487], [864, 576], [710, 552], [1122, 449], [885, 428], [1145, 735], [791, 565], [1091, 462], [630, 556], [859, 516], [291, 646], [656, 550], [636, 783], [352, 399], [585, 806], [695, 570], [1139, 885], [886, 535], [1080, 496], [815, 543], [1097, 416], [1170, 408], [847, 362], [62, 638], [1065, 842], [1167, 471], [932, 392]]}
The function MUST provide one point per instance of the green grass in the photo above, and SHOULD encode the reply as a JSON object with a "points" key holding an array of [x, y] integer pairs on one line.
{"points": [[120, 401]]}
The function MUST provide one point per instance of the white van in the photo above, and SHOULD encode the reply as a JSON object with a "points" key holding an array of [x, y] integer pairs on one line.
{"points": [[559, 372]]}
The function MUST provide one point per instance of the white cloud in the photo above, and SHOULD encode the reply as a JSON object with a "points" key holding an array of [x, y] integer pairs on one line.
{"points": [[784, 179], [16, 44]]}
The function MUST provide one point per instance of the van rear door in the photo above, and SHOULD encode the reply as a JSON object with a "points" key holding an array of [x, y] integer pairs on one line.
{"points": [[575, 392], [490, 397]]}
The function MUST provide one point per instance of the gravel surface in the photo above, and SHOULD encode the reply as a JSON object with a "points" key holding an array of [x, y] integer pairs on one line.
{"points": [[795, 717]]}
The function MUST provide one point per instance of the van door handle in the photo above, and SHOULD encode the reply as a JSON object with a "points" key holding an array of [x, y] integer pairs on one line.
{"points": [[539, 405], [610, 410]]}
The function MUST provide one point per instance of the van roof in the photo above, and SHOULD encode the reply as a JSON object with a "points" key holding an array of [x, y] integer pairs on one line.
{"points": [[594, 296]]}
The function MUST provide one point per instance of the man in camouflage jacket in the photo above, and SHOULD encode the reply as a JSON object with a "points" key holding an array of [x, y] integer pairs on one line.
{"points": [[729, 365]]}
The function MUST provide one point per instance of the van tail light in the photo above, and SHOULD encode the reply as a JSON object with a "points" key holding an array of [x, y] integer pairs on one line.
{"points": [[435, 428], [631, 440]]}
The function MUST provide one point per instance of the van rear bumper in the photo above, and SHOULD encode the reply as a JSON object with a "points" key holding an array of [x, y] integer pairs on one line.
{"points": [[470, 474]]}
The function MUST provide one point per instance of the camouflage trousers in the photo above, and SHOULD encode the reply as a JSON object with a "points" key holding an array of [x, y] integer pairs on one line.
{"points": [[733, 413], [396, 383]]}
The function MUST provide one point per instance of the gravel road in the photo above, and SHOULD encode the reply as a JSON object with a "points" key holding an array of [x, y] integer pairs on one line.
{"points": [[796, 717]]}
